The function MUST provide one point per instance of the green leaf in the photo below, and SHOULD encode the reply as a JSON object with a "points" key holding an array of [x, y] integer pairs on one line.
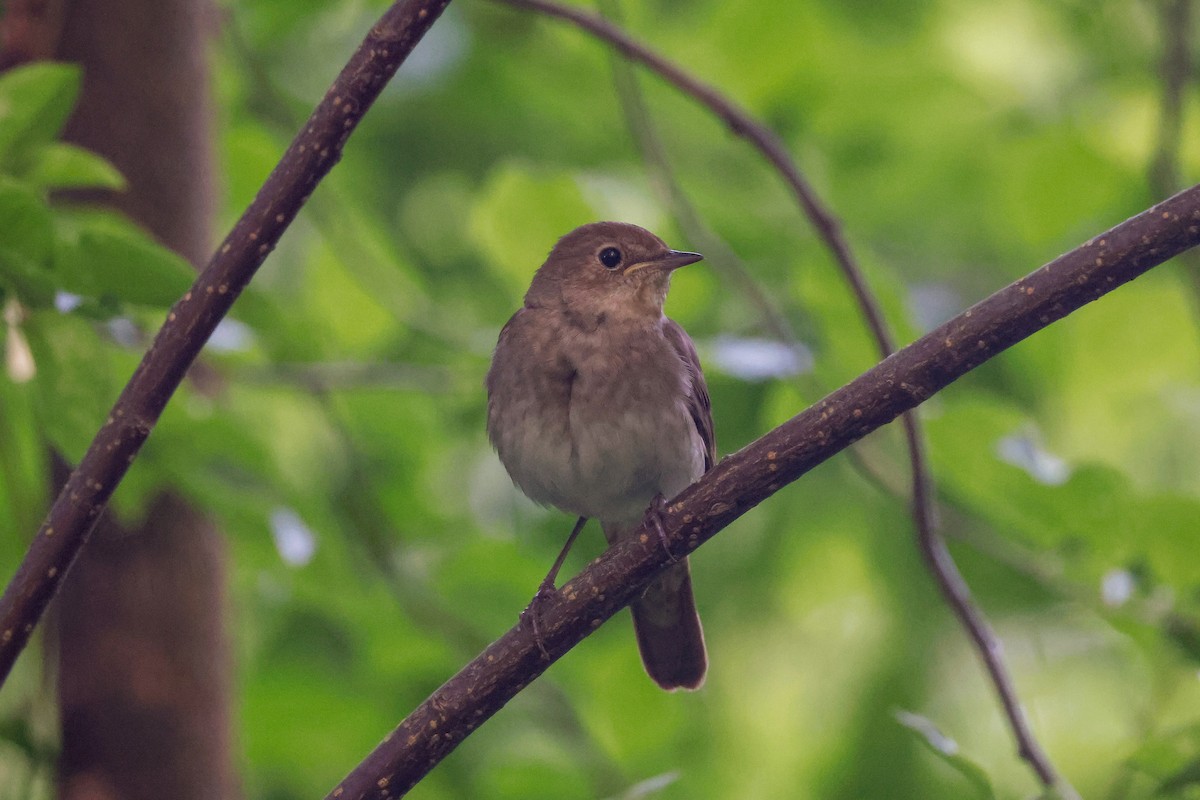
{"points": [[102, 254], [23, 468], [34, 103], [946, 749], [19, 733], [77, 380], [26, 244], [64, 166], [26, 221], [33, 284]]}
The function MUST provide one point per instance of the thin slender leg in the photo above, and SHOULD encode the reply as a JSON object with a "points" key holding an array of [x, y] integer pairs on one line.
{"points": [[547, 588], [552, 575]]}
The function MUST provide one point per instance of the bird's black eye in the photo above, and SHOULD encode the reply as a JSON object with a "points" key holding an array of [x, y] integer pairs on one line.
{"points": [[610, 257]]}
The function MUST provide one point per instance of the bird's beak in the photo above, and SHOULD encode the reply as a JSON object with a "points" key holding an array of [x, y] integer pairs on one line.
{"points": [[670, 260]]}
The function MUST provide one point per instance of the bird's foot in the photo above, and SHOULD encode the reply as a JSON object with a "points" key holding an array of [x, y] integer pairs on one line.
{"points": [[655, 514], [529, 617]]}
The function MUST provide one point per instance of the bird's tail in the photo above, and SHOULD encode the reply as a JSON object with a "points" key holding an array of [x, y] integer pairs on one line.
{"points": [[669, 634]]}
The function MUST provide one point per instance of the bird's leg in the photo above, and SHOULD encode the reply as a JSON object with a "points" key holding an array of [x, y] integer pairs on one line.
{"points": [[655, 513], [546, 589]]}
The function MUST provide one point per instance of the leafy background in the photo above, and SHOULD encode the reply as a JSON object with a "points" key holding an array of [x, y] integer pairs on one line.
{"points": [[376, 543]]}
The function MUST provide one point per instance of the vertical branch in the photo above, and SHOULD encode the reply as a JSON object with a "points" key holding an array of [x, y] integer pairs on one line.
{"points": [[1175, 69], [828, 227]]}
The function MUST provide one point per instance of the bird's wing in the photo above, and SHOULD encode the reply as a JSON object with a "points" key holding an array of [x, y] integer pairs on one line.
{"points": [[698, 402]]}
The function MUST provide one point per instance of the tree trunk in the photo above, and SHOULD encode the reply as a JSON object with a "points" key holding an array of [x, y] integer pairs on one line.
{"points": [[144, 665], [143, 668]]}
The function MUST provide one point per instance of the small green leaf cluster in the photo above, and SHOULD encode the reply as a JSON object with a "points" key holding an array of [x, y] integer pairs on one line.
{"points": [[50, 246]]}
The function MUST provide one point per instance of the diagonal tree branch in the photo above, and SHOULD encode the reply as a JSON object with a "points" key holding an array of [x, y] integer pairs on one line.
{"points": [[192, 319], [746, 478], [930, 542]]}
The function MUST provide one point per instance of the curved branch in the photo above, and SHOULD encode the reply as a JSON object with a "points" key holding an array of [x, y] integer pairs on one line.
{"points": [[719, 253], [924, 507], [746, 478], [742, 124], [663, 179], [192, 319]]}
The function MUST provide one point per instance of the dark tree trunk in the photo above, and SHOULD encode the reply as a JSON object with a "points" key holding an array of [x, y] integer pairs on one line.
{"points": [[144, 665], [143, 677]]}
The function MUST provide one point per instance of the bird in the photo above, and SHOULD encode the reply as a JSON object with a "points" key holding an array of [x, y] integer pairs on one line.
{"points": [[597, 406]]}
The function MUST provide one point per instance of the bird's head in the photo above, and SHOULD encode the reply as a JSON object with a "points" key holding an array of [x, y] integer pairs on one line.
{"points": [[608, 268]]}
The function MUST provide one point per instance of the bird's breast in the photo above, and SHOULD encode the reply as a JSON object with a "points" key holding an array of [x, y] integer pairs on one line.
{"points": [[599, 428]]}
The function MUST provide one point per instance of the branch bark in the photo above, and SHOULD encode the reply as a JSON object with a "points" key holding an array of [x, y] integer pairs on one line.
{"points": [[192, 319], [746, 478]]}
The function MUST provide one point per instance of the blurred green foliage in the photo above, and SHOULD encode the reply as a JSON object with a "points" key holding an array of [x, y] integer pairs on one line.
{"points": [[376, 542]]}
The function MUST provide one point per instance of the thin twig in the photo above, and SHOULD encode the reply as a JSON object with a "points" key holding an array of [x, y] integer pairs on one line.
{"points": [[1175, 70], [932, 547], [743, 480], [954, 587], [742, 124], [192, 319], [666, 184]]}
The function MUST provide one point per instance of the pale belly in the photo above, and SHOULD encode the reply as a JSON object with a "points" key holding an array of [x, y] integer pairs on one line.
{"points": [[600, 462]]}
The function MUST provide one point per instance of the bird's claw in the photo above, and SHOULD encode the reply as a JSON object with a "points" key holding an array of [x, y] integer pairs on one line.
{"points": [[655, 513], [529, 616]]}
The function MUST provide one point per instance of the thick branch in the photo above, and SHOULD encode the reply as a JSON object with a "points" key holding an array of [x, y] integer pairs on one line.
{"points": [[192, 319], [746, 478]]}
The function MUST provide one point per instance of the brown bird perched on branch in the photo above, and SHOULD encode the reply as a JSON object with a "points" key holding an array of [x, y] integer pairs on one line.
{"points": [[597, 406]]}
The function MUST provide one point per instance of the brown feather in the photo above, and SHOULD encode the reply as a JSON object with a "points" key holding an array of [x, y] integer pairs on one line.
{"points": [[699, 403]]}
